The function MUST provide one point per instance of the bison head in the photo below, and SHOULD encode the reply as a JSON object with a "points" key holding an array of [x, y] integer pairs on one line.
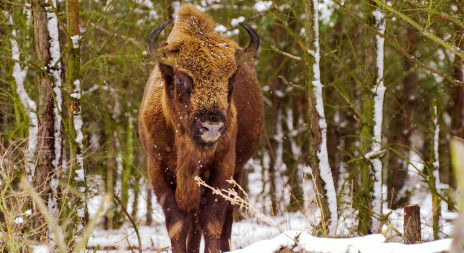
{"points": [[198, 67]]}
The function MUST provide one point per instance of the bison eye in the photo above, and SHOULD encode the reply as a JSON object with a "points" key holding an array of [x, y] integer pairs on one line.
{"points": [[184, 85]]}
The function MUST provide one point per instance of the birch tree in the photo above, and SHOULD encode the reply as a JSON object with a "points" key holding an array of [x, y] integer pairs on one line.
{"points": [[30, 107], [379, 91], [321, 168], [49, 156], [56, 80], [434, 174]]}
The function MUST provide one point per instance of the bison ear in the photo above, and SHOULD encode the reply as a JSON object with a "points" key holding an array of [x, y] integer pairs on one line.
{"points": [[168, 75]]}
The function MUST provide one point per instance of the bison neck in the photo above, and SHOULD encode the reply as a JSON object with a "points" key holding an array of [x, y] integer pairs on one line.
{"points": [[191, 162]]}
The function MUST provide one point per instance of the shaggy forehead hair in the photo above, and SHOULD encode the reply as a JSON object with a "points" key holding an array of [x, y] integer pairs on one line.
{"points": [[203, 54]]}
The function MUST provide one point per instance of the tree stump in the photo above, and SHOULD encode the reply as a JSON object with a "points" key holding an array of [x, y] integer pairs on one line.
{"points": [[412, 224]]}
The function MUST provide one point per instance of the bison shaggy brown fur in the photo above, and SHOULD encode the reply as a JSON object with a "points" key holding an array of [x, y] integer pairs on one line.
{"points": [[201, 115]]}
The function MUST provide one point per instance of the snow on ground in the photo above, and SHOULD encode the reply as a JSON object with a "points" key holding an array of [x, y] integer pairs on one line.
{"points": [[300, 241], [249, 234], [155, 236]]}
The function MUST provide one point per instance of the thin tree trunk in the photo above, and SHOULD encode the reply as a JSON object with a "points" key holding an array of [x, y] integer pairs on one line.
{"points": [[56, 77], [74, 84], [433, 171], [400, 127], [148, 218], [292, 159], [278, 178], [379, 91], [319, 156], [30, 107], [364, 196], [127, 163], [50, 135], [457, 100]]}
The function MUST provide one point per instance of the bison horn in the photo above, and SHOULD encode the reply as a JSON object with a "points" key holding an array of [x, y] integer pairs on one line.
{"points": [[153, 45], [251, 50]]}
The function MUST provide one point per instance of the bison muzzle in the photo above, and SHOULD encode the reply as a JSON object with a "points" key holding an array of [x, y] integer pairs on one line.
{"points": [[201, 115]]}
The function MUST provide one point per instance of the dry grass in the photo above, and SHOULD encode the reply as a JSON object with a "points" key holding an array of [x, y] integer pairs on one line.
{"points": [[25, 221]]}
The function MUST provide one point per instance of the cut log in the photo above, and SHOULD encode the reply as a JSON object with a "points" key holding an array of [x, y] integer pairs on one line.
{"points": [[412, 224]]}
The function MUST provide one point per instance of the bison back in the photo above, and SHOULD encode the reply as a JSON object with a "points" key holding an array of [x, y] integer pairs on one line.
{"points": [[248, 101]]}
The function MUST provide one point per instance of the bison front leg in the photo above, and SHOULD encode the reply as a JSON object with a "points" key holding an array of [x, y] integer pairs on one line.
{"points": [[177, 223], [213, 212], [229, 219], [194, 235], [213, 208]]}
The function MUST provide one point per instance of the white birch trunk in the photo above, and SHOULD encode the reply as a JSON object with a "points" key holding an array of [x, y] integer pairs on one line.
{"points": [[266, 197], [436, 163], [322, 154], [78, 123], [77, 120], [80, 172], [292, 133], [282, 189], [55, 71], [379, 91], [19, 75]]}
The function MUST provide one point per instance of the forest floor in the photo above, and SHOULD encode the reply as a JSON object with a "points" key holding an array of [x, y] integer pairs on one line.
{"points": [[268, 238]]}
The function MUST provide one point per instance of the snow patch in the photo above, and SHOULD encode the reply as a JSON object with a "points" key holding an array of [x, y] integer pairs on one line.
{"points": [[77, 90], [19, 220], [80, 175], [326, 9], [262, 6], [75, 41], [235, 21], [220, 29], [300, 241], [41, 249]]}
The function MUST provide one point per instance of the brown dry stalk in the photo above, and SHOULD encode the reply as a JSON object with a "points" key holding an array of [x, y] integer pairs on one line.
{"points": [[231, 195]]}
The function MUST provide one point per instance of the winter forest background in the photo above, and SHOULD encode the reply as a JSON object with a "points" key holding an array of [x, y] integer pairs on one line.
{"points": [[360, 110]]}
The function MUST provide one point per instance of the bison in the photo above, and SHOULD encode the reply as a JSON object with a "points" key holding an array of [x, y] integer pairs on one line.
{"points": [[201, 115]]}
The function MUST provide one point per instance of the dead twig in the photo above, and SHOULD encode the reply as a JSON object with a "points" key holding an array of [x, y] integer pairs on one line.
{"points": [[231, 195], [132, 221]]}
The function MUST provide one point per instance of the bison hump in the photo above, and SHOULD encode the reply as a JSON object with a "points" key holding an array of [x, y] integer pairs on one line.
{"points": [[193, 22]]}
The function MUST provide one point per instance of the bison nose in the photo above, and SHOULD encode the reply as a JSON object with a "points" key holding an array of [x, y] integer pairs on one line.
{"points": [[211, 130]]}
